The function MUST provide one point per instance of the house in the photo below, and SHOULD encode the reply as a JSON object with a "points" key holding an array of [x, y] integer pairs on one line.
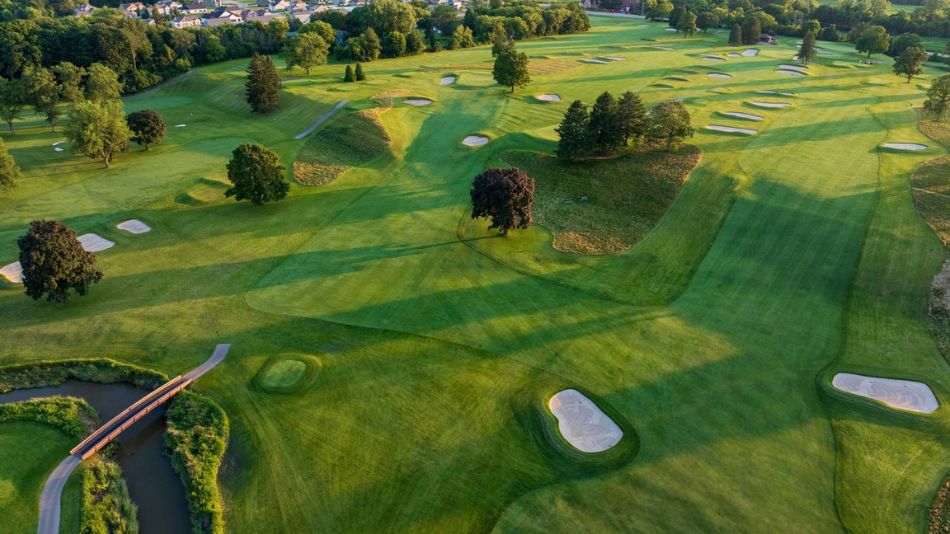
{"points": [[298, 5], [279, 5], [186, 21], [83, 10], [133, 10], [194, 9], [166, 8], [257, 15], [223, 16]]}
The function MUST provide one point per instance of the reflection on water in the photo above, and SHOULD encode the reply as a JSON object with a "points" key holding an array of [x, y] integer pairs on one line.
{"points": [[153, 484]]}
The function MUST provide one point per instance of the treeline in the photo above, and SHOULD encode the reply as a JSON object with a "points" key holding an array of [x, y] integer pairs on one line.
{"points": [[54, 373]]}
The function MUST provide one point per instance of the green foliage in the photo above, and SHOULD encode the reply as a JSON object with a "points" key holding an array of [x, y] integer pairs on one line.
{"points": [[13, 98], [106, 505], [54, 262], [751, 30], [44, 94], [938, 98], [71, 415], [262, 84], [462, 38], [358, 73], [98, 129], [830, 34], [414, 44], [807, 52], [306, 50], [99, 370], [910, 62], [348, 76], [706, 20], [102, 83], [574, 138], [686, 23], [511, 68], [350, 140], [903, 42], [873, 40], [659, 10], [256, 174], [735, 35], [669, 124], [395, 44], [505, 196], [69, 78], [9, 171], [321, 28], [633, 116], [196, 440], [366, 47], [605, 129], [147, 127], [811, 26]]}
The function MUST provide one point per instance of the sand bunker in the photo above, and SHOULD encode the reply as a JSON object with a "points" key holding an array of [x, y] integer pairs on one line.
{"points": [[475, 140], [741, 115], [133, 226], [599, 61], [750, 52], [772, 105], [731, 129], [713, 58], [767, 92], [94, 242], [447, 80], [58, 149], [417, 101], [615, 58], [790, 72], [180, 125], [734, 54], [719, 75], [905, 146], [801, 68], [582, 423], [549, 98], [900, 394], [13, 272]]}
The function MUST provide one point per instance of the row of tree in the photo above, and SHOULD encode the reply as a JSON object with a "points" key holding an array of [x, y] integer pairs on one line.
{"points": [[613, 123]]}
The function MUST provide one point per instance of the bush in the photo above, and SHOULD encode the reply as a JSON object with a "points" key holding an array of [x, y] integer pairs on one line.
{"points": [[54, 373], [106, 505], [71, 415]]}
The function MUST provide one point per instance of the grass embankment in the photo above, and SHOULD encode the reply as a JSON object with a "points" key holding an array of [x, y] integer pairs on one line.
{"points": [[71, 415], [353, 138], [196, 439], [106, 505], [603, 206], [54, 373]]}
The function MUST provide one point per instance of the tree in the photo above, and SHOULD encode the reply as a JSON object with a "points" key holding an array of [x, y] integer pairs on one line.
{"points": [[873, 40], [306, 50], [42, 89], [574, 142], [911, 62], [811, 26], [348, 76], [511, 68], [830, 33], [686, 24], [505, 196], [706, 20], [462, 38], [395, 44], [414, 44], [660, 10], [366, 47], [54, 262], [102, 83], [147, 127], [938, 98], [69, 79], [257, 175], [98, 129], [633, 116], [262, 84], [9, 172], [321, 28], [735, 35], [903, 42], [669, 124], [807, 51], [13, 99], [751, 30], [358, 72], [606, 131]]}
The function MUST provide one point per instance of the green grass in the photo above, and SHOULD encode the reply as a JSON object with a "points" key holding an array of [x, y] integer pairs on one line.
{"points": [[786, 256], [349, 140]]}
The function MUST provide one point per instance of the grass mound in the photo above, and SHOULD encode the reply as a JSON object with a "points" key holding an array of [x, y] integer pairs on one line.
{"points": [[286, 373], [352, 139], [605, 206]]}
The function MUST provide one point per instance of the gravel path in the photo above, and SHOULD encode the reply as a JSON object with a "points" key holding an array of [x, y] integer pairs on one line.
{"points": [[321, 120]]}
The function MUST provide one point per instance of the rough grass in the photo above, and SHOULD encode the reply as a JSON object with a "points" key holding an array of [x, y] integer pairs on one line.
{"points": [[351, 139], [54, 373], [605, 206], [106, 505]]}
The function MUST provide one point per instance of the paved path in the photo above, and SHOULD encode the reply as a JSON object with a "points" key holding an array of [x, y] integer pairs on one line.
{"points": [[53, 490], [321, 120]]}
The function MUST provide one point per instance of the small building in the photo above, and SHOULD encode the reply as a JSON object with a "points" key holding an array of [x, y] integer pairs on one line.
{"points": [[83, 10], [279, 5], [257, 15], [194, 9], [186, 21], [133, 10], [223, 16]]}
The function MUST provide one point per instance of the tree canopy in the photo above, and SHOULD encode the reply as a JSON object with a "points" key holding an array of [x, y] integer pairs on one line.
{"points": [[256, 174], [505, 196], [938, 98], [98, 129], [13, 99], [9, 172], [574, 139], [147, 127], [669, 124], [910, 62], [102, 83], [872, 40], [306, 50], [807, 51], [54, 262], [511, 68], [262, 84]]}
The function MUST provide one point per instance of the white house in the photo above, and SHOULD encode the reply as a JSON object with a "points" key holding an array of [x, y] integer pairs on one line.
{"points": [[186, 21]]}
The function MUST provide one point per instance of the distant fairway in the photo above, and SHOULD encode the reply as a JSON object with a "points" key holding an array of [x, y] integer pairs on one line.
{"points": [[787, 256]]}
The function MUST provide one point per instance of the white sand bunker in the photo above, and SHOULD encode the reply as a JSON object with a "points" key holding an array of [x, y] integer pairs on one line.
{"points": [[901, 394], [719, 75], [800, 68], [58, 149], [615, 58], [734, 54], [713, 58], [760, 104], [582, 423], [599, 61], [731, 129], [750, 52], [180, 125], [475, 140], [94, 242], [447, 80], [549, 98], [134, 226], [768, 92], [13, 272], [417, 101], [791, 72], [905, 146], [741, 115]]}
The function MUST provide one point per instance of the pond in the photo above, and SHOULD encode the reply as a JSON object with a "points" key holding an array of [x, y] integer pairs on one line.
{"points": [[153, 485]]}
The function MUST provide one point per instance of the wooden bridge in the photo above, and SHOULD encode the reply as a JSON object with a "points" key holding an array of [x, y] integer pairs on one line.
{"points": [[52, 491]]}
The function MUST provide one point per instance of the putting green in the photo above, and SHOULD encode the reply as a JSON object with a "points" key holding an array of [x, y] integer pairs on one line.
{"points": [[786, 257]]}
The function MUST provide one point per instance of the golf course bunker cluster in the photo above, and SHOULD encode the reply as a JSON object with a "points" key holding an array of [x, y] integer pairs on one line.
{"points": [[582, 423], [901, 394]]}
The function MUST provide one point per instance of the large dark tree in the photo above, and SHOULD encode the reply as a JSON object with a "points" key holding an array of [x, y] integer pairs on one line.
{"points": [[257, 175], [262, 84], [938, 98], [44, 94], [606, 130], [873, 40], [910, 62], [54, 262], [505, 196], [9, 172], [13, 99], [807, 51], [669, 124], [147, 127], [511, 68], [574, 142], [751, 30], [735, 35]]}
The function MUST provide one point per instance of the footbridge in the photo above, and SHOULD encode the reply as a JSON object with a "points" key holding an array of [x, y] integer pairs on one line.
{"points": [[105, 434]]}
